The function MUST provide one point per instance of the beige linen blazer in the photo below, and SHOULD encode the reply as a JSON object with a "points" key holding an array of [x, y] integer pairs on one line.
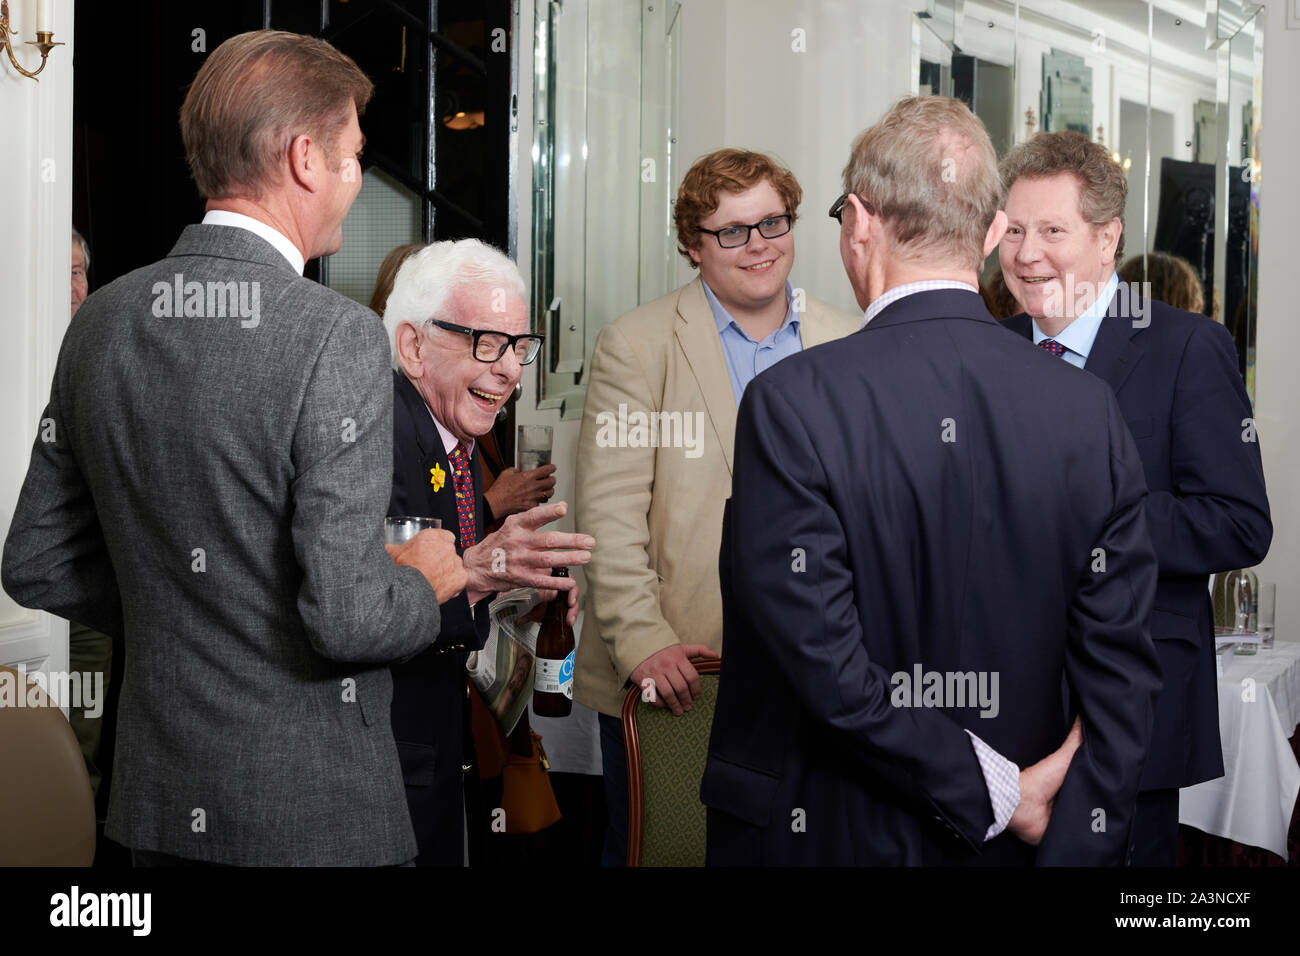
{"points": [[653, 475]]}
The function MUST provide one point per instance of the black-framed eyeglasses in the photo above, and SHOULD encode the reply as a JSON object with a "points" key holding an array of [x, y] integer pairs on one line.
{"points": [[837, 208], [730, 237], [490, 345]]}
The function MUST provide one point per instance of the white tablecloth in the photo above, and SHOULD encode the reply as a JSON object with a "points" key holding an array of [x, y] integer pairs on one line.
{"points": [[1259, 708]]}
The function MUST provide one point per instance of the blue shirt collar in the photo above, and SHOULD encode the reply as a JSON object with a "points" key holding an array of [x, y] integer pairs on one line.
{"points": [[723, 318], [1079, 335]]}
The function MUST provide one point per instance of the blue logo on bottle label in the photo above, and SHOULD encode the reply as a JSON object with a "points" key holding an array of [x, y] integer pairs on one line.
{"points": [[566, 676]]}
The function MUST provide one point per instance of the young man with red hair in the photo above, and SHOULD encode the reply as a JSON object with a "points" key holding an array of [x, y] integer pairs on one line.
{"points": [[657, 511]]}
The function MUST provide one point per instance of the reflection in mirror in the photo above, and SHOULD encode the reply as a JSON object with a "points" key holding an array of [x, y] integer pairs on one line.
{"points": [[604, 112], [1066, 99], [934, 72], [1241, 245], [1183, 138], [799, 78], [943, 18]]}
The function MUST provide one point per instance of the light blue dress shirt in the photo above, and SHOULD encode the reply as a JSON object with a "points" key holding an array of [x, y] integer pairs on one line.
{"points": [[1078, 336], [745, 356]]}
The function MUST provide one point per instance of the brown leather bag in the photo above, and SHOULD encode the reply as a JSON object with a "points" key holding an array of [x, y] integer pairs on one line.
{"points": [[526, 794]]}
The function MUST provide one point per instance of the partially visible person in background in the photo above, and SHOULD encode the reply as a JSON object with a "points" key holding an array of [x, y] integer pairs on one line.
{"points": [[90, 653], [506, 490], [997, 299], [1173, 281], [80, 263]]}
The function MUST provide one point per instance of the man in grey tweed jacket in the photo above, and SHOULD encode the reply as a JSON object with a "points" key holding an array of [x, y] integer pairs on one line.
{"points": [[213, 490]]}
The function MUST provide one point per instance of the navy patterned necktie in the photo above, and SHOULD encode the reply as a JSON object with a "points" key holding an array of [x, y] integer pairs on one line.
{"points": [[1052, 347]]}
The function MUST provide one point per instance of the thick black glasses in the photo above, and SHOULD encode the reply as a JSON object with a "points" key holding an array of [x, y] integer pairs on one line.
{"points": [[490, 346], [729, 237], [837, 208]]}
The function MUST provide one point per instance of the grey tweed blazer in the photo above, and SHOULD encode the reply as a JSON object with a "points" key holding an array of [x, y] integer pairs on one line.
{"points": [[214, 493]]}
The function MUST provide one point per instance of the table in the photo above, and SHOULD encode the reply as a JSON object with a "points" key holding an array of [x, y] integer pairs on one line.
{"points": [[1259, 708]]}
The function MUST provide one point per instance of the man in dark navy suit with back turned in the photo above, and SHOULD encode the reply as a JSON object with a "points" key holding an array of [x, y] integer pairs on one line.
{"points": [[912, 561]]}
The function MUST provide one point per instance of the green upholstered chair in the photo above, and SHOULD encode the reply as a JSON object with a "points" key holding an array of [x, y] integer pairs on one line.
{"points": [[665, 763]]}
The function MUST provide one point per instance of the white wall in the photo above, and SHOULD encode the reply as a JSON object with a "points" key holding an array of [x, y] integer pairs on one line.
{"points": [[1277, 387], [35, 263], [743, 85]]}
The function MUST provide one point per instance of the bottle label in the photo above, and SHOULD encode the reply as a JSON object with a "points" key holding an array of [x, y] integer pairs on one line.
{"points": [[554, 676]]}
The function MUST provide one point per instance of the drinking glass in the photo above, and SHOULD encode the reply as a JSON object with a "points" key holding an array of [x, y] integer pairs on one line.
{"points": [[534, 446], [1267, 608], [397, 530]]}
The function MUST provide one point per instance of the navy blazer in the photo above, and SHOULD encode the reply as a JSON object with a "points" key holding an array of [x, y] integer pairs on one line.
{"points": [[928, 493], [429, 702], [1176, 378]]}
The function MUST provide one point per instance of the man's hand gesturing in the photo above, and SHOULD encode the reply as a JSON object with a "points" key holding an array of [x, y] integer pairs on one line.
{"points": [[520, 555]]}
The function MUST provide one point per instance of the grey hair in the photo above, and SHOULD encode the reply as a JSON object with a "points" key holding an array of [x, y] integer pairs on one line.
{"points": [[428, 278], [930, 170], [85, 246]]}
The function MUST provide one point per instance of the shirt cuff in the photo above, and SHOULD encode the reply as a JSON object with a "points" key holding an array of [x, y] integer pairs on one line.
{"points": [[1002, 777]]}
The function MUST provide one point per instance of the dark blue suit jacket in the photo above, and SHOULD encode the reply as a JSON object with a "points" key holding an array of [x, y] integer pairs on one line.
{"points": [[429, 702], [927, 492], [1175, 376]]}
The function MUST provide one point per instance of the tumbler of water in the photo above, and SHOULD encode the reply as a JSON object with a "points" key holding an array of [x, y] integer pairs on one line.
{"points": [[533, 449], [1243, 587], [397, 530], [1267, 608]]}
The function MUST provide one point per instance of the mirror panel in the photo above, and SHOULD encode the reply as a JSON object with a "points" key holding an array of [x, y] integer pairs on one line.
{"points": [[637, 91]]}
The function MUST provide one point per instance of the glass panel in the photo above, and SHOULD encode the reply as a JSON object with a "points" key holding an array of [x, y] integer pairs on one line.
{"points": [[1179, 200], [933, 55], [1241, 247], [660, 51], [605, 102], [943, 19], [385, 215], [559, 111]]}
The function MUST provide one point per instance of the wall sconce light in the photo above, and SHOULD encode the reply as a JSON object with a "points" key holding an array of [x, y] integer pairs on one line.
{"points": [[44, 36]]}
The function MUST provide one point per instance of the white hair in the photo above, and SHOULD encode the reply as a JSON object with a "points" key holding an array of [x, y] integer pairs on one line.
{"points": [[427, 279], [85, 246]]}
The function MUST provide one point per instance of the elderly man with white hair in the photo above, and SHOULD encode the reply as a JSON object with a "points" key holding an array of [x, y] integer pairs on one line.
{"points": [[458, 324]]}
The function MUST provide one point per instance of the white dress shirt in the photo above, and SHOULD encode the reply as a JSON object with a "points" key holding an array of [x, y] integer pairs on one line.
{"points": [[237, 220], [1078, 336]]}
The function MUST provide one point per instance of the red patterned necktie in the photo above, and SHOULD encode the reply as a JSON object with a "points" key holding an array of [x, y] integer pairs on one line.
{"points": [[463, 481], [1052, 346]]}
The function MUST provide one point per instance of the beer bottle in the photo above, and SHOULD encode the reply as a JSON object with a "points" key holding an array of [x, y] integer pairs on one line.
{"points": [[553, 675]]}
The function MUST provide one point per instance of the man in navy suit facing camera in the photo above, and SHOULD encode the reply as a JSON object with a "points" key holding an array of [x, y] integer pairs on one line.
{"points": [[1174, 374]]}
